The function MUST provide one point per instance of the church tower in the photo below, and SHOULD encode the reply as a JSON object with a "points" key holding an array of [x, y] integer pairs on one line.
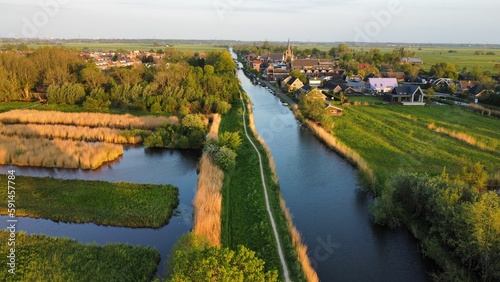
{"points": [[289, 53]]}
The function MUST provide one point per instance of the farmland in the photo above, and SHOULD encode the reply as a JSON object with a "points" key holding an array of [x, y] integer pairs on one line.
{"points": [[462, 56], [103, 203], [201, 47]]}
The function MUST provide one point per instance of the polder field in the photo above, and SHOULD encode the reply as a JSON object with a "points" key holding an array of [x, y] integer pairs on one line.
{"points": [[202, 47], [424, 139], [462, 56]]}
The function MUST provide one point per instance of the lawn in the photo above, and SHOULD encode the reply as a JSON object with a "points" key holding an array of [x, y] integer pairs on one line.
{"points": [[41, 258], [394, 138], [245, 220], [103, 203]]}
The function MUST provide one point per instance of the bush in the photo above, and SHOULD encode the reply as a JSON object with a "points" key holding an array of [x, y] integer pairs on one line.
{"points": [[225, 158], [230, 139]]}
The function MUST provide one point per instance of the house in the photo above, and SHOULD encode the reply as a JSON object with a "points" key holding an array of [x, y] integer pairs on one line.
{"points": [[399, 75], [256, 65], [407, 94], [291, 84], [275, 57], [315, 67], [413, 61], [356, 86], [381, 85], [466, 85], [363, 66], [276, 71]]}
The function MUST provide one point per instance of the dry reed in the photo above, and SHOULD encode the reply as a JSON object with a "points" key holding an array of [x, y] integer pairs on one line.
{"points": [[77, 133], [208, 201], [251, 124], [214, 129], [125, 121], [297, 243], [299, 246], [461, 136], [56, 153]]}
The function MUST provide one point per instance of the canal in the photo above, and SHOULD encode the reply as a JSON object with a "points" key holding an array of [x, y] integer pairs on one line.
{"points": [[330, 208]]}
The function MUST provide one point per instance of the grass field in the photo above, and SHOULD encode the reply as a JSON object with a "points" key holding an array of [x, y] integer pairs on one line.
{"points": [[464, 56], [41, 258], [202, 47], [395, 138], [103, 203], [244, 217]]}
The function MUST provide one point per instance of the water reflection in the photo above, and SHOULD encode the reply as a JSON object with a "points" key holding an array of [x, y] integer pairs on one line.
{"points": [[330, 209], [138, 165]]}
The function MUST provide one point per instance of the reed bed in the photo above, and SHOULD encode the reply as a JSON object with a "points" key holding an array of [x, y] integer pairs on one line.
{"points": [[125, 121], [214, 129], [296, 238], [56, 153], [461, 136], [208, 201], [251, 124], [76, 133]]}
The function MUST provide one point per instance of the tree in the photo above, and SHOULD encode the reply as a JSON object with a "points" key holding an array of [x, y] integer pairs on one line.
{"points": [[194, 260], [225, 158], [298, 74], [430, 94], [312, 105], [221, 60], [445, 70], [230, 139], [92, 76], [98, 100]]}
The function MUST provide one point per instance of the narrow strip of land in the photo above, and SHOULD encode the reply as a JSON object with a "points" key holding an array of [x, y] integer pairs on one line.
{"points": [[268, 206]]}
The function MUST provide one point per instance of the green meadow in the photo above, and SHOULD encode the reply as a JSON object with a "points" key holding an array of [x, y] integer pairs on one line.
{"points": [[201, 47], [397, 138], [41, 258], [99, 202]]}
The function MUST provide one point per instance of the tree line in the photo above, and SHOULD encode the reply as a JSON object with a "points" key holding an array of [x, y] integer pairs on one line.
{"points": [[182, 83], [456, 217]]}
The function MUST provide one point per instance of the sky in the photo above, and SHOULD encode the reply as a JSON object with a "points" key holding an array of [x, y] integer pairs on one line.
{"points": [[405, 21]]}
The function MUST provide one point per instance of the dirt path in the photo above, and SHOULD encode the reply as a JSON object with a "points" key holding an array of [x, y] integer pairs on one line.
{"points": [[268, 207]]}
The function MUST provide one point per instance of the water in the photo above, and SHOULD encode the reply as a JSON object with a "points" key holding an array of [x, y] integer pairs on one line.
{"points": [[138, 165], [330, 209]]}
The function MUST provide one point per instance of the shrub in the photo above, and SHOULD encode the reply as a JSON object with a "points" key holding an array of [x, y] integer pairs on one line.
{"points": [[230, 139], [225, 158]]}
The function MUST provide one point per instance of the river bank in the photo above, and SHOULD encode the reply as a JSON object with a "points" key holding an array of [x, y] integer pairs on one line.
{"points": [[329, 205]]}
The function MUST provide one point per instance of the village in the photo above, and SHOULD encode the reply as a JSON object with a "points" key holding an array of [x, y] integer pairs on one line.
{"points": [[299, 75]]}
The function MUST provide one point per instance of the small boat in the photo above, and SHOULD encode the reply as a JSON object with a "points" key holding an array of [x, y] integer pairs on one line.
{"points": [[284, 104]]}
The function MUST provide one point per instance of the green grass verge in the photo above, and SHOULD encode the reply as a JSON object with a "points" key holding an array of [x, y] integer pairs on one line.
{"points": [[104, 203], [397, 138], [41, 258], [245, 220]]}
